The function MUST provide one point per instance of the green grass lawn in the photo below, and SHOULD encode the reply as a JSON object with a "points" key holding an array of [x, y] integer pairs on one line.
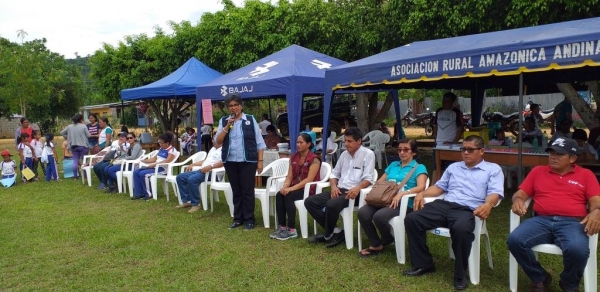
{"points": [[67, 236]]}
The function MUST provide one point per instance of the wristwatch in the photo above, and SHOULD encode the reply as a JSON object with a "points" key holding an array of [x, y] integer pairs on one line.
{"points": [[212, 166]]}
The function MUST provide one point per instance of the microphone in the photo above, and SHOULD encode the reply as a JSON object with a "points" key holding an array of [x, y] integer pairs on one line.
{"points": [[231, 118]]}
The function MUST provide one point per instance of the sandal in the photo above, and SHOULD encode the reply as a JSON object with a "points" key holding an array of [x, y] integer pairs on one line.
{"points": [[369, 252]]}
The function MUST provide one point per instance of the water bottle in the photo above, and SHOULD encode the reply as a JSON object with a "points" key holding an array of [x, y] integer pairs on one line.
{"points": [[535, 144], [391, 179], [544, 140]]}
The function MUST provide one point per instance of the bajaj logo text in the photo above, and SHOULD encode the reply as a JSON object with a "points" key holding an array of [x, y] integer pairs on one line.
{"points": [[238, 89]]}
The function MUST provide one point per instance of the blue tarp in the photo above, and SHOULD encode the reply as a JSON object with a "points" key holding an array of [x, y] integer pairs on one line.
{"points": [[292, 72], [182, 82], [561, 46]]}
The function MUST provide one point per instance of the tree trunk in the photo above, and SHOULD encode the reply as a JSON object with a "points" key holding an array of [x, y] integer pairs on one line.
{"points": [[587, 115], [362, 114]]}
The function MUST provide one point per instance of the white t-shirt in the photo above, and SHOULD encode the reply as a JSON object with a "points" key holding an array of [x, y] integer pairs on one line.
{"points": [[329, 144], [447, 125], [38, 146], [8, 168], [213, 156], [26, 150], [263, 126], [164, 153], [47, 150]]}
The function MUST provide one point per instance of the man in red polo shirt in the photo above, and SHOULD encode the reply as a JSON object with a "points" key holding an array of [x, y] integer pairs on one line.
{"points": [[562, 192]]}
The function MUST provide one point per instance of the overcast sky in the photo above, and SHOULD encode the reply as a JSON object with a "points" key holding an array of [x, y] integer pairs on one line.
{"points": [[71, 26]]}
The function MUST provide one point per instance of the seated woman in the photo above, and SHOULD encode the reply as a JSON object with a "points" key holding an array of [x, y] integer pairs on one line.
{"points": [[141, 176], [373, 218], [272, 139], [133, 152], [304, 168], [118, 149]]}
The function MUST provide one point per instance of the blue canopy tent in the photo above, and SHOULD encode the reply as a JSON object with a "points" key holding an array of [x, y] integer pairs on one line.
{"points": [[446, 62], [292, 72], [531, 56], [179, 84], [182, 82]]}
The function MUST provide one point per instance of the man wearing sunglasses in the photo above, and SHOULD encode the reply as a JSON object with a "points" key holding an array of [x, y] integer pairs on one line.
{"points": [[562, 192], [472, 187]]}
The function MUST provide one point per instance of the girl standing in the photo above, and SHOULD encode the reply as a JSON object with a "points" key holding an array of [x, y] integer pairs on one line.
{"points": [[94, 130], [50, 152], [9, 169], [26, 153], [38, 145]]}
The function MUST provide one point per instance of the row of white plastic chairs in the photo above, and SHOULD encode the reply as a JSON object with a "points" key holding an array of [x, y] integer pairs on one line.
{"points": [[278, 171]]}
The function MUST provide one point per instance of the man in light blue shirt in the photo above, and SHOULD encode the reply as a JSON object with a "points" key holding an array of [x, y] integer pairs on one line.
{"points": [[472, 188]]}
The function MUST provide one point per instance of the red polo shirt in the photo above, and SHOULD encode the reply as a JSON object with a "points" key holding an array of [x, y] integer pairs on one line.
{"points": [[556, 195]]}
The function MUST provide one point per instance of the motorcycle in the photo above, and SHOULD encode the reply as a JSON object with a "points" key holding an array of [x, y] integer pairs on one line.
{"points": [[544, 115], [508, 123], [423, 120]]}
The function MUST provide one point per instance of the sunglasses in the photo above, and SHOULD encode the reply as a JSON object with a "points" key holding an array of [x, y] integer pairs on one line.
{"points": [[405, 150], [130, 138], [470, 150]]}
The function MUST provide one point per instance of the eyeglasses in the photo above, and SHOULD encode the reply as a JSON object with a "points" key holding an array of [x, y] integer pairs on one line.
{"points": [[470, 150], [405, 150], [233, 105], [130, 138], [159, 142]]}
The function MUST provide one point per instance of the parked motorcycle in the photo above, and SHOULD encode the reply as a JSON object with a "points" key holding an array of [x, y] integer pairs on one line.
{"points": [[423, 120], [545, 115], [508, 122]]}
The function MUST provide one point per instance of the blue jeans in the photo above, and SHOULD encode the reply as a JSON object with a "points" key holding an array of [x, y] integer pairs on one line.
{"points": [[141, 181], [99, 169], [565, 232], [188, 184]]}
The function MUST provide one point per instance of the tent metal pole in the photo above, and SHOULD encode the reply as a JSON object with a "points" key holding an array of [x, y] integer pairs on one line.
{"points": [[270, 112], [520, 153]]}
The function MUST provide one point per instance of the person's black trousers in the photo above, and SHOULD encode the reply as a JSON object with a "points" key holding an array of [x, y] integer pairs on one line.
{"points": [[333, 207], [242, 179], [439, 213]]}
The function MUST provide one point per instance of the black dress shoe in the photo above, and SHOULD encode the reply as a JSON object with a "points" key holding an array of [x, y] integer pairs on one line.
{"points": [[460, 284], [336, 239], [415, 272], [235, 224], [135, 198], [317, 238]]}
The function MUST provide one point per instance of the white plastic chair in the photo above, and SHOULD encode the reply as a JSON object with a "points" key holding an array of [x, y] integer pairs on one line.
{"points": [[224, 186], [325, 172], [214, 175], [278, 169], [377, 144], [329, 156], [368, 138], [397, 224], [474, 256], [172, 178], [154, 179], [348, 215], [126, 175], [86, 169], [124, 165], [590, 274]]}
